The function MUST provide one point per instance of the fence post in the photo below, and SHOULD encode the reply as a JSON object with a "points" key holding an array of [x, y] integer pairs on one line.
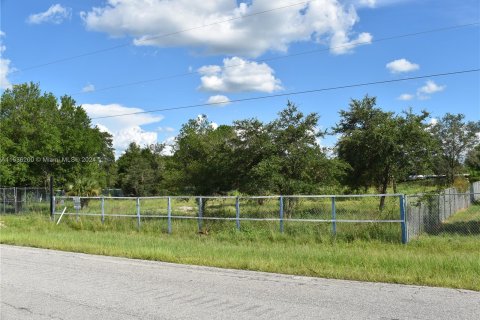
{"points": [[138, 213], [334, 217], [169, 214], [52, 200], [25, 197], [4, 201], [472, 194], [450, 202], [79, 206], [281, 214], [200, 213], [53, 209], [440, 212], [445, 204], [237, 211], [15, 200], [403, 219], [455, 201], [103, 210]]}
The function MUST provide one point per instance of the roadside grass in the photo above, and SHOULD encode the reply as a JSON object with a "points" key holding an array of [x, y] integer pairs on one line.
{"points": [[373, 253]]}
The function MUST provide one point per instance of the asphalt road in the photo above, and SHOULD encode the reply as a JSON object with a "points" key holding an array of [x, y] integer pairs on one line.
{"points": [[47, 284]]}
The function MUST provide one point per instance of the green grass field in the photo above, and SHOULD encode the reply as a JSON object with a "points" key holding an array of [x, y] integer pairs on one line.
{"points": [[448, 259]]}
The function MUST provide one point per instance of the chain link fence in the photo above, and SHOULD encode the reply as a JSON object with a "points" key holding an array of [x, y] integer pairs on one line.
{"points": [[437, 213], [24, 199]]}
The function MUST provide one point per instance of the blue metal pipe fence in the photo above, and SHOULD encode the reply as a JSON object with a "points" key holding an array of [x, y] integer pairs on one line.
{"points": [[333, 209]]}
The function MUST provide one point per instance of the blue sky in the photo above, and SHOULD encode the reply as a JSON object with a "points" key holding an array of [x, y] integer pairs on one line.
{"points": [[237, 59]]}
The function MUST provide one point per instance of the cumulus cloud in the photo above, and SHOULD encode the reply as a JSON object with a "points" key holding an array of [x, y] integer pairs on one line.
{"points": [[2, 46], [239, 75], [218, 100], [406, 97], [165, 129], [430, 87], [124, 129], [5, 68], [56, 14], [376, 3], [424, 92], [341, 45], [367, 3], [324, 21], [169, 143], [88, 88], [401, 65]]}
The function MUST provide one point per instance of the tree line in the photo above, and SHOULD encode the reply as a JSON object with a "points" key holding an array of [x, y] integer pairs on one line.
{"points": [[41, 136]]}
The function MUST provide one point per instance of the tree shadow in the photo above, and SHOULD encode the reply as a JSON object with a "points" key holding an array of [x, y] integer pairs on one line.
{"points": [[461, 228]]}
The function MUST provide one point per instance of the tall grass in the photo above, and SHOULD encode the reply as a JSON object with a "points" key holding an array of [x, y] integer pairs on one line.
{"points": [[297, 212], [449, 260]]}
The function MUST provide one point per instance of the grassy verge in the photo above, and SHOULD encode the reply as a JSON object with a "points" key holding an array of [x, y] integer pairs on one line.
{"points": [[463, 222], [448, 260]]}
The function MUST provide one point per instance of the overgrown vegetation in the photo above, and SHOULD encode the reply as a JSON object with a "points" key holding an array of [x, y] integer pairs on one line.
{"points": [[448, 259], [43, 136]]}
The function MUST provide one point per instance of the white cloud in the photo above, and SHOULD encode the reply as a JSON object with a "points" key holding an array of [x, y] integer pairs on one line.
{"points": [[4, 71], [56, 14], [423, 93], [367, 3], [401, 65], [239, 75], [341, 44], [209, 70], [124, 137], [376, 3], [124, 129], [325, 21], [406, 97], [166, 129], [219, 100], [430, 87], [169, 143], [5, 68], [88, 88]]}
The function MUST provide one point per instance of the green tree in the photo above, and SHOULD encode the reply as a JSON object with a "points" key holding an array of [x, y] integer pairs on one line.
{"points": [[472, 161], [283, 156], [201, 163], [455, 138], [141, 170], [57, 139], [28, 121], [379, 146], [252, 147]]}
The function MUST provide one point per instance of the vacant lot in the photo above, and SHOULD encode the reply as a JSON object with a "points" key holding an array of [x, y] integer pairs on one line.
{"points": [[449, 259]]}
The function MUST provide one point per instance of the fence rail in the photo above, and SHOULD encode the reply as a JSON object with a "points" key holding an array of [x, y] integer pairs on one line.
{"points": [[23, 199], [409, 216], [326, 209]]}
